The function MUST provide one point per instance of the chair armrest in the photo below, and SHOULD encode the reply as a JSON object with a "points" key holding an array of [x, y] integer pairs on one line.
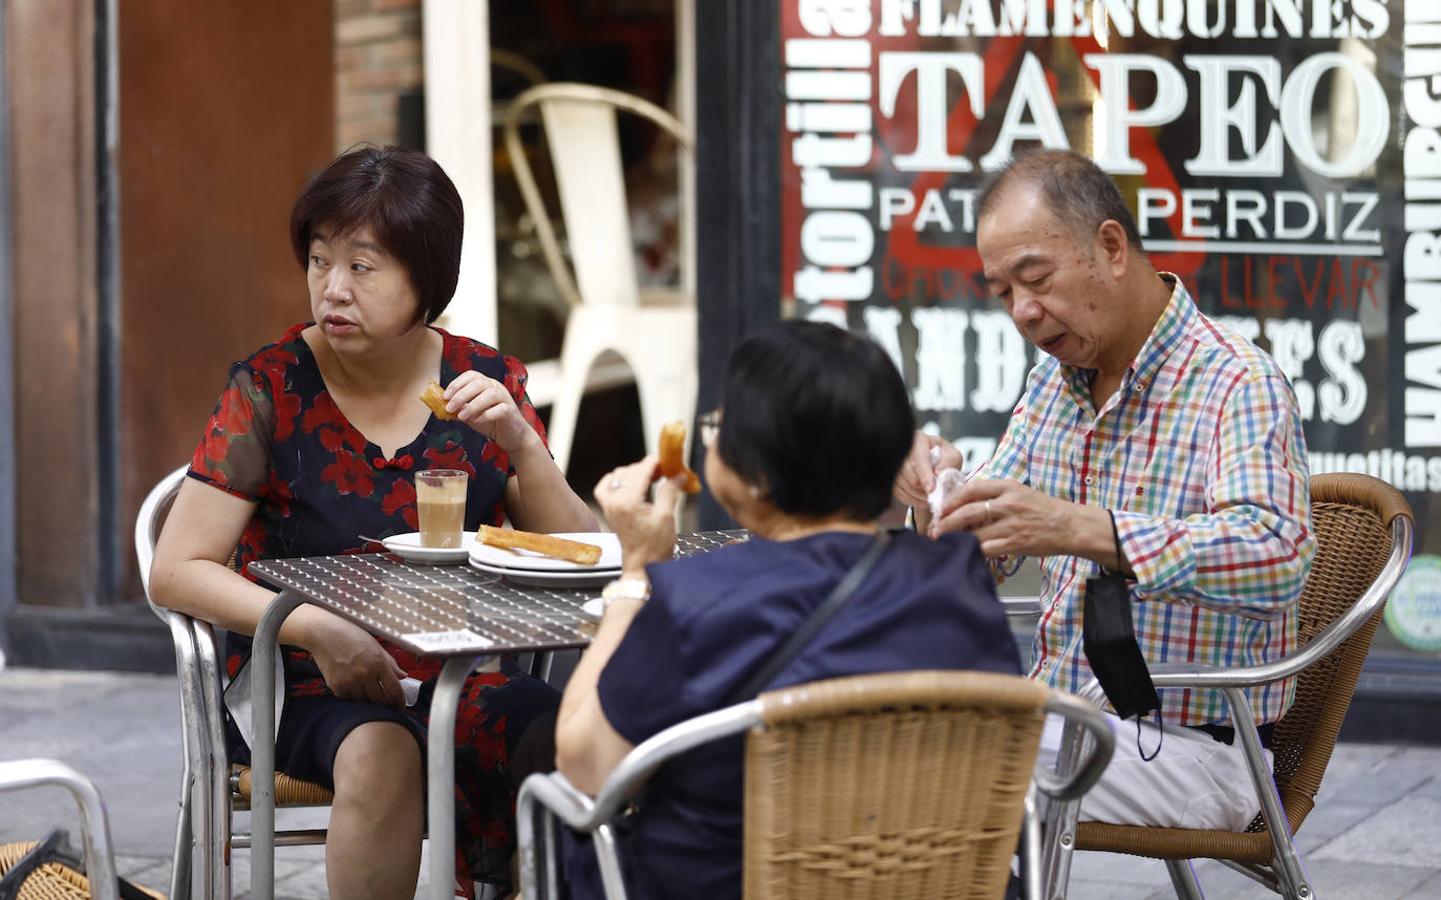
{"points": [[640, 762], [1197, 675], [554, 791], [583, 813], [99, 858], [1076, 781], [1176, 675]]}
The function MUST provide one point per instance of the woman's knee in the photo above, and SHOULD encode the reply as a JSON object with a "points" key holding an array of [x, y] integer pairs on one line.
{"points": [[379, 762]]}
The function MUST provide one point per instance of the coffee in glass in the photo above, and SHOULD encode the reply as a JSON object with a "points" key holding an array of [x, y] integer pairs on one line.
{"points": [[440, 500]]}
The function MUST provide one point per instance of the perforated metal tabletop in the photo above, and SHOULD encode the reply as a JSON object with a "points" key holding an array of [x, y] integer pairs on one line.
{"points": [[449, 610]]}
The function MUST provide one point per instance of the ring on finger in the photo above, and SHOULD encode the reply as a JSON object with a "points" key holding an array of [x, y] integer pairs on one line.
{"points": [[990, 516]]}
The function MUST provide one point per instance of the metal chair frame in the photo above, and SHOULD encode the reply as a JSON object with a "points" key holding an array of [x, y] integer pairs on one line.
{"points": [[94, 823], [204, 832], [545, 797], [1286, 874]]}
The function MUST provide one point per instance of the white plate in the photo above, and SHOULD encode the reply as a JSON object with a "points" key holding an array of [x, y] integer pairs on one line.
{"points": [[593, 608], [407, 547], [511, 560], [580, 579]]}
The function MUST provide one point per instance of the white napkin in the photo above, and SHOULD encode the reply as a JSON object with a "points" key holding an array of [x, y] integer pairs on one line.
{"points": [[237, 698], [411, 688], [948, 481]]}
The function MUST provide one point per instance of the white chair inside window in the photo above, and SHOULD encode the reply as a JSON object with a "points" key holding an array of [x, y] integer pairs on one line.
{"points": [[615, 331], [522, 67]]}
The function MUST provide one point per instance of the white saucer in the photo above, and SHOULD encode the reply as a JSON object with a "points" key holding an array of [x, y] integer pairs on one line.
{"points": [[513, 560], [577, 579], [407, 547]]}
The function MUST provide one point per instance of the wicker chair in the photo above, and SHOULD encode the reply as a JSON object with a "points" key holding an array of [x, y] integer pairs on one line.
{"points": [[901, 785], [53, 880], [211, 791], [1363, 528]]}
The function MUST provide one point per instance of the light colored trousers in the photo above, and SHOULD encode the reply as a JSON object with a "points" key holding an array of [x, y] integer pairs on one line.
{"points": [[1194, 781]]}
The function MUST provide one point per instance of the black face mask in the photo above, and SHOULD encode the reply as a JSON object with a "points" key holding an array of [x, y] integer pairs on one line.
{"points": [[1109, 642]]}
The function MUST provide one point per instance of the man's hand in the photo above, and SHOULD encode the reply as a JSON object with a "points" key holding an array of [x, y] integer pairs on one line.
{"points": [[1012, 520], [918, 475], [646, 528], [353, 663]]}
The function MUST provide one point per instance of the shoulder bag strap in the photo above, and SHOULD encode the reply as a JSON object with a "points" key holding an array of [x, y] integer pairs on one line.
{"points": [[816, 621]]}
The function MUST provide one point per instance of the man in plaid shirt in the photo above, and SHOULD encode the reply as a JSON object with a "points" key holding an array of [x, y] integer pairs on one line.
{"points": [[1186, 433]]}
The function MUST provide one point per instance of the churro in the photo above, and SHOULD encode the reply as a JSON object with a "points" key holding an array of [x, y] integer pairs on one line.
{"points": [[672, 457], [544, 544], [434, 397]]}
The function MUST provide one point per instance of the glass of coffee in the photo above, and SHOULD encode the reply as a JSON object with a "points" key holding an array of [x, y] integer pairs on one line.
{"points": [[440, 500]]}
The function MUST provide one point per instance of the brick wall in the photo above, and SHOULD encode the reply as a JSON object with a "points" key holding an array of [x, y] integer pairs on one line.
{"points": [[377, 59]]}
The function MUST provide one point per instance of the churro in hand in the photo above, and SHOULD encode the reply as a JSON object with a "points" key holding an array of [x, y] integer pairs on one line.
{"points": [[672, 457], [434, 397]]}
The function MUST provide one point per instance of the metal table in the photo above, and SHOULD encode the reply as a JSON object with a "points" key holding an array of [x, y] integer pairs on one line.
{"points": [[455, 612], [1020, 607]]}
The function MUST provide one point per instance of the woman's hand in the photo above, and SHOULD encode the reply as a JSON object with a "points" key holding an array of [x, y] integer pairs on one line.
{"points": [[646, 528], [353, 663], [485, 405]]}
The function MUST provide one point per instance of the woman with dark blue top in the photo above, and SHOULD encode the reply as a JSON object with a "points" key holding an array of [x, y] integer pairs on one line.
{"points": [[814, 429]]}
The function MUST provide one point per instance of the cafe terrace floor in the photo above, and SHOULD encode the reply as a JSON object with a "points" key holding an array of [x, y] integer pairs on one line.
{"points": [[1376, 832]]}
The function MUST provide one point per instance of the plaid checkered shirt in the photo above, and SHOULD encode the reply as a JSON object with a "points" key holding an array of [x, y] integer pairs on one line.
{"points": [[1200, 456]]}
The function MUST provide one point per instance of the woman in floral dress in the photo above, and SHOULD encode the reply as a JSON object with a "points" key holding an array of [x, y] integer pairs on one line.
{"points": [[316, 440]]}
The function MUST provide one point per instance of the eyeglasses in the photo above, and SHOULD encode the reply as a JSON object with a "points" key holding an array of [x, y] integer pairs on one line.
{"points": [[708, 427]]}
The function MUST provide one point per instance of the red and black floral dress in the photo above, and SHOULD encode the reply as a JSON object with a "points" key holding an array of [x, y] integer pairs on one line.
{"points": [[277, 438]]}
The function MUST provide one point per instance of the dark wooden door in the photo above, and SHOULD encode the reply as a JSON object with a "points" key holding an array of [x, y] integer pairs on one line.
{"points": [[225, 110]]}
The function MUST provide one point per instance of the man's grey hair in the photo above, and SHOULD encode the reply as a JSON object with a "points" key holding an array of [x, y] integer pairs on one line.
{"points": [[1078, 193]]}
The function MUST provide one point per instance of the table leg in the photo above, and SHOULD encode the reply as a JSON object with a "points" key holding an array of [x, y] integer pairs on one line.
{"points": [[440, 774], [262, 754]]}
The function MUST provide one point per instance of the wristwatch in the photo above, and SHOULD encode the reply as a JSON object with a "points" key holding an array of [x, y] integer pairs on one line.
{"points": [[625, 589]]}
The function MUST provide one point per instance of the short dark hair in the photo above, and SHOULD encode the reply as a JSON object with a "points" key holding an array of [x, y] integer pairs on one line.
{"points": [[1078, 192], [406, 200], [816, 416]]}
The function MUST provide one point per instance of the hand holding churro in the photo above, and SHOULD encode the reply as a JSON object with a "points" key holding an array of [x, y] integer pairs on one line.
{"points": [[671, 457], [544, 544], [644, 526]]}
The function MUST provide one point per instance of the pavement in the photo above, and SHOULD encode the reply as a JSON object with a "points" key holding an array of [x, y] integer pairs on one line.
{"points": [[1375, 832]]}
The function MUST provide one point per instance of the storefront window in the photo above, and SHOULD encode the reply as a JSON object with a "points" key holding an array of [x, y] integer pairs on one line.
{"points": [[1282, 157]]}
